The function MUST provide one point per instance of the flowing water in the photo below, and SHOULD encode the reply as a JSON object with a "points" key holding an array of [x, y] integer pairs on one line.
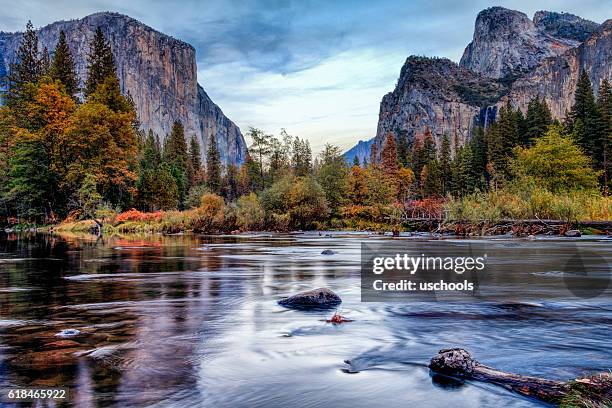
{"points": [[185, 321]]}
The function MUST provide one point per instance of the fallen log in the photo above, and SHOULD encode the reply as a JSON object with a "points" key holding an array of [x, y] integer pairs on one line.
{"points": [[595, 390]]}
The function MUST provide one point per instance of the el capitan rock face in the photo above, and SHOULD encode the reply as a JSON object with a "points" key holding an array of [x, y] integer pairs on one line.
{"points": [[510, 59], [158, 71]]}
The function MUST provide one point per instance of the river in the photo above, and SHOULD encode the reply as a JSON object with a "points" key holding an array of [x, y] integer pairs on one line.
{"points": [[185, 321]]}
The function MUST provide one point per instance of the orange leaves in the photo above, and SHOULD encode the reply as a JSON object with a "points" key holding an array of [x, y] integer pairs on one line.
{"points": [[425, 208], [135, 215]]}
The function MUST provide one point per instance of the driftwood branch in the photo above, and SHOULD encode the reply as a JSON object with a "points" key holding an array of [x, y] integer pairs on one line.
{"points": [[459, 363]]}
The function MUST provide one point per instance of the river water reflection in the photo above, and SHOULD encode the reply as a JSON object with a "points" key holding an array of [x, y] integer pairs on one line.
{"points": [[183, 321]]}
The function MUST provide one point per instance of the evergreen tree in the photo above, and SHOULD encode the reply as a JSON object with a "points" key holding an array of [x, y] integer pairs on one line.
{"points": [[101, 62], [478, 145], [502, 137], [213, 166], [604, 105], [423, 152], [230, 183], [445, 165], [585, 111], [431, 179], [26, 69], [403, 151], [195, 162], [62, 66], [464, 178], [261, 149], [356, 160], [301, 157], [176, 156], [44, 63], [151, 157], [537, 121]]}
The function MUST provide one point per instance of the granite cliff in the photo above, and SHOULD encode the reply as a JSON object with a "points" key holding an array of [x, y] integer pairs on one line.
{"points": [[511, 58], [158, 71]]}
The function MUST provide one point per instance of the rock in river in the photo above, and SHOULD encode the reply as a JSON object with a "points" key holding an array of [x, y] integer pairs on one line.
{"points": [[328, 252], [321, 298], [573, 233]]}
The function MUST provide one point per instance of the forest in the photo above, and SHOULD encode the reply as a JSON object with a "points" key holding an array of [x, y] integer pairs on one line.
{"points": [[75, 154]]}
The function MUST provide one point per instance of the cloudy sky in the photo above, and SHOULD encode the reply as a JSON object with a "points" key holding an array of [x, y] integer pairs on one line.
{"points": [[317, 68]]}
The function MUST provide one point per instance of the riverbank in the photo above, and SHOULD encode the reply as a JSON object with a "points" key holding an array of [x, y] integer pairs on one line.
{"points": [[518, 228]]}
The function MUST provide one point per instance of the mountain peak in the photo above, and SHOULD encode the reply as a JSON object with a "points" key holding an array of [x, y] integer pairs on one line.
{"points": [[564, 25], [507, 43]]}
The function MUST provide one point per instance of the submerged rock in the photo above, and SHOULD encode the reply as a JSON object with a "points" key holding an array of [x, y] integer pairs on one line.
{"points": [[321, 298], [573, 233], [68, 333], [328, 252]]}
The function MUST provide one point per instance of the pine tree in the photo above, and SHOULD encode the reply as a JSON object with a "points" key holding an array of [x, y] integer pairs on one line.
{"points": [[301, 159], [604, 106], [356, 160], [585, 110], [445, 165], [195, 162], [403, 151], [175, 155], [151, 156], [101, 62], [423, 152], [478, 145], [502, 137], [62, 66], [44, 64], [537, 121], [26, 69], [230, 183], [213, 166], [431, 179]]}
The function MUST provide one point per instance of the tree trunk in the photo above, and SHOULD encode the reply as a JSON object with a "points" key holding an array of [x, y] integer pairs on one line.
{"points": [[458, 362]]}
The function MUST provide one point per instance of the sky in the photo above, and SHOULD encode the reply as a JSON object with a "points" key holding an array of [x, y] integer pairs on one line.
{"points": [[319, 69]]}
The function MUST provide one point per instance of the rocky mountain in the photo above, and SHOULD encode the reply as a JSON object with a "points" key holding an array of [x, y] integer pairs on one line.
{"points": [[511, 58], [158, 71], [438, 94], [361, 150], [507, 42], [564, 25], [555, 79]]}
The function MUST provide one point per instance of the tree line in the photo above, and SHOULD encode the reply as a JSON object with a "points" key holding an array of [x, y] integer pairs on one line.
{"points": [[72, 151]]}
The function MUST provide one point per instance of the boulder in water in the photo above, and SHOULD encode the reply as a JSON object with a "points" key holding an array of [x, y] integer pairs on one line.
{"points": [[573, 233], [321, 298], [68, 333], [328, 252]]}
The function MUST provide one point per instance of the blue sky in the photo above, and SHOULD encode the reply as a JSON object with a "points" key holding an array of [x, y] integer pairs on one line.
{"points": [[317, 68]]}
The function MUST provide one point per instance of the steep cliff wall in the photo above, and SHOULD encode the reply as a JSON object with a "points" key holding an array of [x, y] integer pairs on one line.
{"points": [[438, 94], [555, 79], [158, 71], [510, 58], [507, 43]]}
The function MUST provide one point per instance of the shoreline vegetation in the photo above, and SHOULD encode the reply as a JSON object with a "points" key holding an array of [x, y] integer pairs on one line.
{"points": [[75, 156]]}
